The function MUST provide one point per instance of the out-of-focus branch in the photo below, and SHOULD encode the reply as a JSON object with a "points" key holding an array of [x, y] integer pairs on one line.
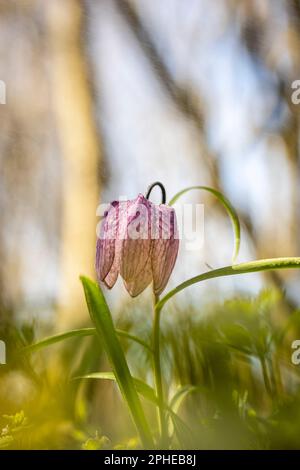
{"points": [[73, 110], [180, 96]]}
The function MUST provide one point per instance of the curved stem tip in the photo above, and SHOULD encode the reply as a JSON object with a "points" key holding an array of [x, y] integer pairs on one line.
{"points": [[163, 191]]}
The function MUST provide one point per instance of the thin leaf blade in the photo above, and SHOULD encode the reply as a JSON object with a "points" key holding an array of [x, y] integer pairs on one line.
{"points": [[270, 264], [102, 319], [78, 333]]}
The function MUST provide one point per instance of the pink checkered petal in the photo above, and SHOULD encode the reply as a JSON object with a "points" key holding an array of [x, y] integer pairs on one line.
{"points": [[105, 250], [135, 247], [165, 248], [139, 284]]}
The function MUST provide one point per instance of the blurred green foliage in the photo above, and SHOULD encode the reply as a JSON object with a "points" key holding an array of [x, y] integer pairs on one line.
{"points": [[231, 363]]}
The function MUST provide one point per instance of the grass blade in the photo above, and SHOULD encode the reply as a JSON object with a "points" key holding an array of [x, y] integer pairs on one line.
{"points": [[134, 338], [181, 394], [98, 375], [142, 388], [101, 317], [182, 430], [57, 339], [82, 332]]}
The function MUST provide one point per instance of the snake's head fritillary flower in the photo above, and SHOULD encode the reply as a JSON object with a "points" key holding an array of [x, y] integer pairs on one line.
{"points": [[139, 241]]}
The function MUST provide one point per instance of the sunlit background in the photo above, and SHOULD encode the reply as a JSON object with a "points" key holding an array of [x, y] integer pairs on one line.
{"points": [[104, 97]]}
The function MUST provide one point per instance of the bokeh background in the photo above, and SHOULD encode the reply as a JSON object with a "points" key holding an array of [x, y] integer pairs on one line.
{"points": [[105, 97]]}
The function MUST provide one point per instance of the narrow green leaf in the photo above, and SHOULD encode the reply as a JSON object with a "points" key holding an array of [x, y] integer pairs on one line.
{"points": [[134, 338], [101, 317], [146, 391], [98, 375], [78, 333], [242, 268], [58, 338], [142, 388], [229, 208], [181, 394], [182, 430]]}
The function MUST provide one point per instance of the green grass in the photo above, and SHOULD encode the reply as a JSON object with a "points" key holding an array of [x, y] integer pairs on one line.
{"points": [[227, 374]]}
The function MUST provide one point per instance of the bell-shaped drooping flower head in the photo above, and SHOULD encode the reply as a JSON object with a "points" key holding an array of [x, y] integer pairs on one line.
{"points": [[138, 240]]}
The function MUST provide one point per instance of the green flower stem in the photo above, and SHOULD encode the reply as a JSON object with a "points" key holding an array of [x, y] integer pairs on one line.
{"points": [[227, 205], [157, 372], [241, 268]]}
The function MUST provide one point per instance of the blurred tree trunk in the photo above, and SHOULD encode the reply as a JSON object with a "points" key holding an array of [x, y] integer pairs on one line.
{"points": [[72, 104]]}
